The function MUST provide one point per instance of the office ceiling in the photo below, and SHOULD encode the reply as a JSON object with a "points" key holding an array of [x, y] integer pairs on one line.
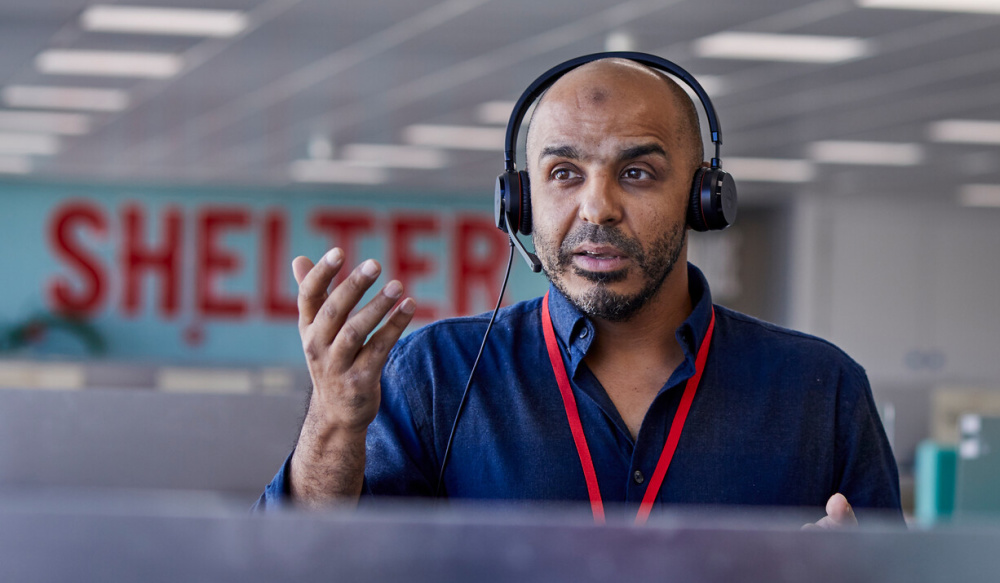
{"points": [[308, 78]]}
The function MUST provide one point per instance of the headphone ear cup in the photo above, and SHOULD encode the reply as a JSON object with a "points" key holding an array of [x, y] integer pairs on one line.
{"points": [[499, 195], [507, 202], [525, 224], [695, 214], [512, 203], [713, 200]]}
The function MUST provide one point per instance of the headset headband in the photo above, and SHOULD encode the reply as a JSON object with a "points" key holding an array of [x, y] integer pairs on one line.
{"points": [[552, 75]]}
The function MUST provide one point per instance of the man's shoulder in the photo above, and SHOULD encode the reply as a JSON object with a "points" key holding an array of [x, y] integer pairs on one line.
{"points": [[780, 342]]}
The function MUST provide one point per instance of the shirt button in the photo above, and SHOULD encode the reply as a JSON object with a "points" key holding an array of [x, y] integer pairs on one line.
{"points": [[638, 477], [584, 333]]}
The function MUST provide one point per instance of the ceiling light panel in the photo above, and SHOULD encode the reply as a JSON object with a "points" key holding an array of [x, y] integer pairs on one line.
{"points": [[866, 153], [108, 63], [781, 47], [335, 171], [495, 112], [70, 124], [78, 98], [167, 21], [980, 195], [965, 131], [394, 156], [455, 137], [20, 143], [769, 169], [974, 6]]}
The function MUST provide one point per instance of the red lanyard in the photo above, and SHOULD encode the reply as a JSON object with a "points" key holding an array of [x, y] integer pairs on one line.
{"points": [[573, 415]]}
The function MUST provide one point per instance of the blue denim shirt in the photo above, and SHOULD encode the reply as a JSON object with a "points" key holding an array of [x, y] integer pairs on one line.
{"points": [[780, 418]]}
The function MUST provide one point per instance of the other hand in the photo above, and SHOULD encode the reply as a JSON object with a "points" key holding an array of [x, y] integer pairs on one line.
{"points": [[839, 514]]}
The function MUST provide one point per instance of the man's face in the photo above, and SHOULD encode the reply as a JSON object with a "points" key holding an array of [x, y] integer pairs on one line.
{"points": [[610, 177]]}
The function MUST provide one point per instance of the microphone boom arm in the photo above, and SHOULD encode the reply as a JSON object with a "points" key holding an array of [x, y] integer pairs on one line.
{"points": [[531, 258]]}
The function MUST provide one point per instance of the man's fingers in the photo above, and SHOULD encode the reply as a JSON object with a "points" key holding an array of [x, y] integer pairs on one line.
{"points": [[839, 514], [381, 342], [840, 511], [356, 329], [300, 267], [327, 323], [315, 279]]}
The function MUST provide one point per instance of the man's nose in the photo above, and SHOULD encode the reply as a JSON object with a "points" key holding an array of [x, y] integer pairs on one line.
{"points": [[600, 201]]}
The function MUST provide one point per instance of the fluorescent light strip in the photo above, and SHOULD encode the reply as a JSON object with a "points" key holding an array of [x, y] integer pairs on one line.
{"points": [[81, 98], [70, 124], [170, 21], [17, 143], [974, 6], [866, 153], [712, 84], [965, 131], [495, 112], [980, 195], [108, 63], [335, 171], [769, 169], [619, 40], [455, 137], [393, 156], [781, 47], [14, 165]]}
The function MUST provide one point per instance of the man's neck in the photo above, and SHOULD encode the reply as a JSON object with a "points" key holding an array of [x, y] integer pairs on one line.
{"points": [[633, 359], [650, 332]]}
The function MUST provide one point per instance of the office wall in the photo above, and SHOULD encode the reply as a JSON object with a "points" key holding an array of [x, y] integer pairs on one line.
{"points": [[908, 288]]}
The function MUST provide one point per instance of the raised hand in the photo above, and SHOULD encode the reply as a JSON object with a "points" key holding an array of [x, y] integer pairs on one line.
{"points": [[345, 354]]}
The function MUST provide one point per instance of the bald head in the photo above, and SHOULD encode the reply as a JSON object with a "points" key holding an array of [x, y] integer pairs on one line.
{"points": [[614, 83]]}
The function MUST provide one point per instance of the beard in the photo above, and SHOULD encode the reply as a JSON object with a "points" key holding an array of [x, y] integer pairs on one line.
{"points": [[598, 301]]}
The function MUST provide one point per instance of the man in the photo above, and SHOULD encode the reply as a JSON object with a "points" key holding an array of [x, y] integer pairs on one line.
{"points": [[779, 418]]}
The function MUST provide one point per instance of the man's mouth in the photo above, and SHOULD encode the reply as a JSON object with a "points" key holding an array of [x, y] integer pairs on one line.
{"points": [[600, 258]]}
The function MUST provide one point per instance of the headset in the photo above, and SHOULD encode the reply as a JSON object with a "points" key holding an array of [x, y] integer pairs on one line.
{"points": [[712, 203]]}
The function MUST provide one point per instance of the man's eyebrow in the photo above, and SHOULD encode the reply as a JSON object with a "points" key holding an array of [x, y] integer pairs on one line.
{"points": [[561, 152], [640, 151]]}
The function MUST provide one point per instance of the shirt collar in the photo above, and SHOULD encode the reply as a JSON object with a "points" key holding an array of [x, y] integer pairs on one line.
{"points": [[575, 331]]}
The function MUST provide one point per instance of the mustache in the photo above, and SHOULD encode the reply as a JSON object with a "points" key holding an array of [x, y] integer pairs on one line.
{"points": [[598, 235]]}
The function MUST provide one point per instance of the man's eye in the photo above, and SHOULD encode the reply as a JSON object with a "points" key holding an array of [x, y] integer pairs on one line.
{"points": [[562, 174], [635, 174]]}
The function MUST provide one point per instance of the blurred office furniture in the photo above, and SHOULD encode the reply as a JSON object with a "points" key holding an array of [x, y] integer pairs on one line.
{"points": [[934, 482], [173, 438], [977, 488], [949, 404]]}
